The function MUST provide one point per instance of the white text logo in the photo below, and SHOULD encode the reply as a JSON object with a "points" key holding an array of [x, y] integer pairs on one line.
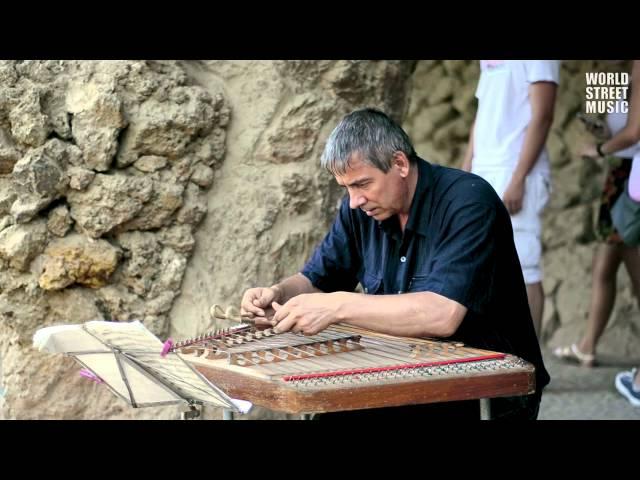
{"points": [[607, 92]]}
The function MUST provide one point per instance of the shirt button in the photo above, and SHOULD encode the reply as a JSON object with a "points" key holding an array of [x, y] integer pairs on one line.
{"points": [[403, 259]]}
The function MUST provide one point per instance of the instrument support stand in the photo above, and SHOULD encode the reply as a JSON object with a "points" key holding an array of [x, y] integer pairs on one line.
{"points": [[191, 414]]}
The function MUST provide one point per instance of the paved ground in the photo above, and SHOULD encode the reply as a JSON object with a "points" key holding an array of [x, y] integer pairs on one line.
{"points": [[579, 393]]}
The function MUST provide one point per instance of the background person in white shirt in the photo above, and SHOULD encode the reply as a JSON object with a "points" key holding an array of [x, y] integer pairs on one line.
{"points": [[516, 100]]}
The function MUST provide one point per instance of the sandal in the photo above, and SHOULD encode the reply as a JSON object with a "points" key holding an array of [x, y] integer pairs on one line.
{"points": [[571, 353]]}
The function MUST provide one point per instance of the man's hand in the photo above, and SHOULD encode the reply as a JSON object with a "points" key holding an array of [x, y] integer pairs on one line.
{"points": [[513, 196], [308, 314], [258, 302]]}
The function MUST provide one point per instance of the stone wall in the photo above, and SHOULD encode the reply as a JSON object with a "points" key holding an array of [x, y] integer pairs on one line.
{"points": [[151, 190]]}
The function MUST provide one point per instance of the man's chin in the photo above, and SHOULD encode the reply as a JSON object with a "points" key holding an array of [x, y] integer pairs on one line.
{"points": [[380, 215]]}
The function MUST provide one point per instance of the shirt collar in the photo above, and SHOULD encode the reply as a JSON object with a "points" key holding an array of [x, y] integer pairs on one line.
{"points": [[421, 202]]}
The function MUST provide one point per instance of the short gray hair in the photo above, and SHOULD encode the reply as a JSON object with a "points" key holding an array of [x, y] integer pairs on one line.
{"points": [[369, 132]]}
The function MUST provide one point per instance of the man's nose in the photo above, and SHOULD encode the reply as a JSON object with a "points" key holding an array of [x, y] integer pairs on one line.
{"points": [[356, 201]]}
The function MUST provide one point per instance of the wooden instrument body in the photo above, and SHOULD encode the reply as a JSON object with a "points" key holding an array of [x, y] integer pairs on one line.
{"points": [[357, 373]]}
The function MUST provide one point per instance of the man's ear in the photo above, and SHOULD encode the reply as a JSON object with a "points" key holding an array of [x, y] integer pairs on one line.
{"points": [[401, 162]]}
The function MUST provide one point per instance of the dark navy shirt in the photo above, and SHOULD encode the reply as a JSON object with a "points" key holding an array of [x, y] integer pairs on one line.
{"points": [[458, 243]]}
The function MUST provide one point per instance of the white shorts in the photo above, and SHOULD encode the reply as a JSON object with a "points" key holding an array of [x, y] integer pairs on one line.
{"points": [[527, 223]]}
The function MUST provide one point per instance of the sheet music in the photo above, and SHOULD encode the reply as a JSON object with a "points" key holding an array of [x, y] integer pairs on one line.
{"points": [[127, 357]]}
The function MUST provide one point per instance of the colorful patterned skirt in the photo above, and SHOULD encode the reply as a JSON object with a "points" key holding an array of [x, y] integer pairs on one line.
{"points": [[619, 169]]}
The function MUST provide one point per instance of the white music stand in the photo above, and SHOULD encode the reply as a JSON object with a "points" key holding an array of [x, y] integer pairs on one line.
{"points": [[128, 359]]}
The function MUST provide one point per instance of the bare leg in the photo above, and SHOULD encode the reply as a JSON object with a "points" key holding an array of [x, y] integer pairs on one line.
{"points": [[606, 261], [535, 294]]}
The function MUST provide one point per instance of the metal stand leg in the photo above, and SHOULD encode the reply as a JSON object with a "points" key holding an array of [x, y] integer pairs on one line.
{"points": [[227, 414], [190, 414], [485, 409]]}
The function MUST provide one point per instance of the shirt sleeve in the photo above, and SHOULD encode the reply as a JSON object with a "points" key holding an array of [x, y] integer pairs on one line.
{"points": [[542, 71], [465, 257], [335, 262]]}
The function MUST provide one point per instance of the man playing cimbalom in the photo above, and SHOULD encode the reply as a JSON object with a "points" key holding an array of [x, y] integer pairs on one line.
{"points": [[516, 99], [433, 249]]}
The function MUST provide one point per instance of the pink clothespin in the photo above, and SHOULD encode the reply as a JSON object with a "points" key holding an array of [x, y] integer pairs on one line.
{"points": [[90, 375], [166, 347]]}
